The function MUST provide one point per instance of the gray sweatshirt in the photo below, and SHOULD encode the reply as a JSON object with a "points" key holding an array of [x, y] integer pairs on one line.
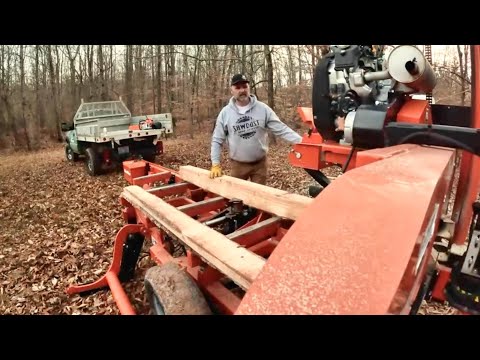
{"points": [[246, 134]]}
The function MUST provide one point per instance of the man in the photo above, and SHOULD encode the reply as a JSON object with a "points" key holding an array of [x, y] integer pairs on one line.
{"points": [[244, 123]]}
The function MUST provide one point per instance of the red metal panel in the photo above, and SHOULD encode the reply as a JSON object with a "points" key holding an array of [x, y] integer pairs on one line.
{"points": [[355, 250], [442, 280], [414, 112], [265, 247], [224, 299], [369, 156], [306, 156], [133, 169], [306, 115]]}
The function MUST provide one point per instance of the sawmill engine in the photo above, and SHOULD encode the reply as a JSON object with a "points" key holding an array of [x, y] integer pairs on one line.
{"points": [[356, 93]]}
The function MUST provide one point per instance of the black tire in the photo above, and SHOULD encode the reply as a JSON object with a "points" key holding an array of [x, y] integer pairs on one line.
{"points": [[70, 155], [149, 157], [171, 291], [92, 162]]}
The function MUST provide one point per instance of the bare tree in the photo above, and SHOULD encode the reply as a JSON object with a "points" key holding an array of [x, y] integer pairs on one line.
{"points": [[159, 78], [53, 84], [152, 65], [140, 76], [101, 68], [23, 97], [171, 75], [299, 55], [290, 67], [194, 89], [129, 77], [268, 58]]}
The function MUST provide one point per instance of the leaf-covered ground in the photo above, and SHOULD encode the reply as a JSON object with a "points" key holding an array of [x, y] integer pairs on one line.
{"points": [[57, 226]]}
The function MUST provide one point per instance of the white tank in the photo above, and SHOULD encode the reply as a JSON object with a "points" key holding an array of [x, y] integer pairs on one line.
{"points": [[407, 65]]}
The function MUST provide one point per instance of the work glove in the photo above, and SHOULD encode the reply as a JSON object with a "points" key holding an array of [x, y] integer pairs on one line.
{"points": [[215, 171]]}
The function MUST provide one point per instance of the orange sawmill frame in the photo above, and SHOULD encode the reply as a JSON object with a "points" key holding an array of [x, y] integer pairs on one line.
{"points": [[204, 205]]}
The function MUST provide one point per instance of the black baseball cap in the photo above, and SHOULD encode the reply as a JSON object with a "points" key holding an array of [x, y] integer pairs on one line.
{"points": [[239, 78]]}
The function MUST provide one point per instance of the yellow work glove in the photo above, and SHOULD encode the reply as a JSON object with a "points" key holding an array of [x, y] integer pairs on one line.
{"points": [[215, 171]]}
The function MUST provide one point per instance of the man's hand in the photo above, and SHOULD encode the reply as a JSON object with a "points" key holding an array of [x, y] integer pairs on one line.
{"points": [[215, 171]]}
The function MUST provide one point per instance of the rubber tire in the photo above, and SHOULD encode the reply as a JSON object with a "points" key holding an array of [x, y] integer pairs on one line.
{"points": [[92, 162], [150, 158], [70, 155], [171, 291]]}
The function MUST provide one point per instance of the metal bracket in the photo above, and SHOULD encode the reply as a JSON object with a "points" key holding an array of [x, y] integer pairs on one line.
{"points": [[446, 228], [470, 266]]}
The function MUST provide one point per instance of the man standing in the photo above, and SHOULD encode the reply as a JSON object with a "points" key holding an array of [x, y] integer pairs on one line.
{"points": [[244, 123]]}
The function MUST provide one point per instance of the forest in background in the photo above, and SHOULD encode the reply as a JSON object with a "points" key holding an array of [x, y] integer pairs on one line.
{"points": [[41, 86]]}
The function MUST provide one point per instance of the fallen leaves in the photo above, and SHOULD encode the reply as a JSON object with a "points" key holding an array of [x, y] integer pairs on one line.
{"points": [[55, 232]]}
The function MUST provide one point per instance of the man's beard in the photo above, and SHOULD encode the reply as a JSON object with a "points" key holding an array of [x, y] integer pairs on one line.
{"points": [[242, 96]]}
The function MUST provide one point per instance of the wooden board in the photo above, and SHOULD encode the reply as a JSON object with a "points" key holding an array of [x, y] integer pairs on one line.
{"points": [[239, 264], [274, 201]]}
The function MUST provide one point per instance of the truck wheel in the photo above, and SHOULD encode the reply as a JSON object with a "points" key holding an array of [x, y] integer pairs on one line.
{"points": [[70, 155], [171, 291], [92, 162], [149, 157]]}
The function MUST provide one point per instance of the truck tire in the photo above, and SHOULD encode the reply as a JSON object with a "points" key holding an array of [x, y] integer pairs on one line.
{"points": [[149, 157], [171, 291], [92, 162], [70, 155]]}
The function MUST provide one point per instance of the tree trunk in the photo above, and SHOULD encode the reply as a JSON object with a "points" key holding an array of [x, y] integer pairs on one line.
{"points": [[3, 124], [268, 58], [140, 77], [244, 59], [152, 65], [111, 67], [224, 78], [252, 71], [159, 78], [271, 103], [39, 107], [299, 65], [81, 82], [171, 75], [213, 54], [23, 97], [101, 67], [73, 83], [91, 79], [129, 77], [314, 63], [187, 99], [11, 115], [56, 117], [197, 84], [290, 67], [194, 84]]}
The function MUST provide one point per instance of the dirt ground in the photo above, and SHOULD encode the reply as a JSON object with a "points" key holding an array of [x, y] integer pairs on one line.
{"points": [[58, 226]]}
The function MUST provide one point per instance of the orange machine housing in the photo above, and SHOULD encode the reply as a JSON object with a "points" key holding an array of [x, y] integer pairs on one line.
{"points": [[316, 153]]}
